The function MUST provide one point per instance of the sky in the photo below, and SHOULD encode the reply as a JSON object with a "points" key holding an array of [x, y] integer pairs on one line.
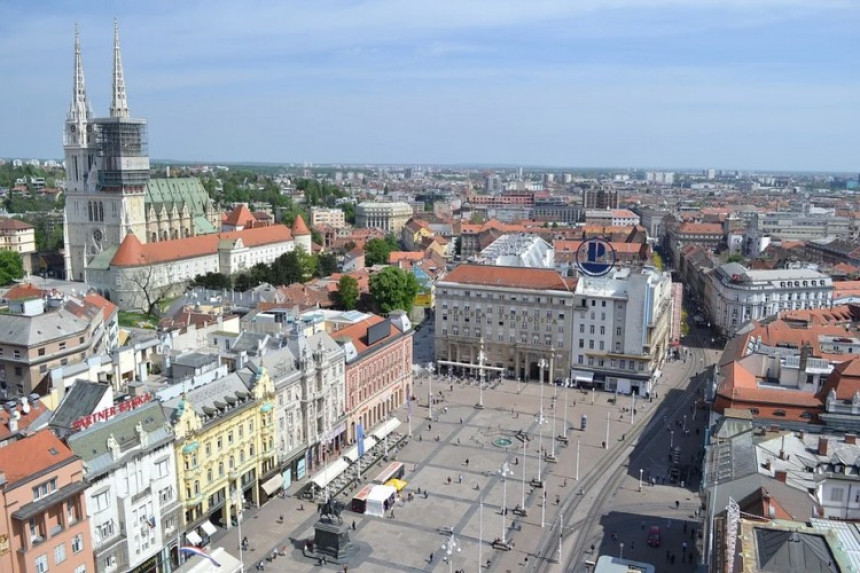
{"points": [[665, 84]]}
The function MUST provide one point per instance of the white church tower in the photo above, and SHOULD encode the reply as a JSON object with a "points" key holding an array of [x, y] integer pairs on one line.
{"points": [[107, 170]]}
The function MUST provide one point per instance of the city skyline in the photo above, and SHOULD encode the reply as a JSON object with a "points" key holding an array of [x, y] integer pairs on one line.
{"points": [[764, 85]]}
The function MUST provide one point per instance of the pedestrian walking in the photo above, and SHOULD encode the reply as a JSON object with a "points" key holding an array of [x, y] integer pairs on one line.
{"points": [[431, 557], [672, 561], [677, 504], [353, 524], [460, 478], [684, 547]]}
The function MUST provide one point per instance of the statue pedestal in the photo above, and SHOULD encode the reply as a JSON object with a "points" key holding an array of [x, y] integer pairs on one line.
{"points": [[332, 540]]}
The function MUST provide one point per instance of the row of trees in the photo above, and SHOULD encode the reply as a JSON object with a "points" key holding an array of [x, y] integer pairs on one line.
{"points": [[294, 267]]}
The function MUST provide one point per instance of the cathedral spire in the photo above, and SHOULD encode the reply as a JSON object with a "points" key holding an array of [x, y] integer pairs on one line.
{"points": [[80, 107], [118, 102]]}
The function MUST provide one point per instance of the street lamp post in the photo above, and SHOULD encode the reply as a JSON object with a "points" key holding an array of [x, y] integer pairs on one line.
{"points": [[430, 391], [449, 547], [523, 505], [640, 479], [504, 472], [542, 364], [685, 422], [606, 443], [480, 534], [621, 551], [632, 405], [482, 377], [577, 460], [239, 513], [564, 429], [554, 416], [671, 439]]}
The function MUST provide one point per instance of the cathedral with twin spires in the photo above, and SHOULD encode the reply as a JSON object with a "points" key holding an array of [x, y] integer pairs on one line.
{"points": [[109, 193]]}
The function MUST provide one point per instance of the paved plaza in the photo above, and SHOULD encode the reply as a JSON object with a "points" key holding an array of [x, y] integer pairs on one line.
{"points": [[472, 503]]}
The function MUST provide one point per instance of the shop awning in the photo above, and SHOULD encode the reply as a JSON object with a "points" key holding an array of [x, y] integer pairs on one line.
{"points": [[384, 429], [352, 453], [193, 538], [207, 527], [272, 485], [329, 473], [582, 376]]}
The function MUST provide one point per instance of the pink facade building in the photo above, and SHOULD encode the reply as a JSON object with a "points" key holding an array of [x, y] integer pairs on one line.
{"points": [[378, 369], [43, 518]]}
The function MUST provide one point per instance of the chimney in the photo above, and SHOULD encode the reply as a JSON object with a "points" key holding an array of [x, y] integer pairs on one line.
{"points": [[823, 446], [850, 438], [768, 465], [780, 475]]}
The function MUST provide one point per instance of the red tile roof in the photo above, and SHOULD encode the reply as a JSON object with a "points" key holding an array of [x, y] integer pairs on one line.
{"points": [[36, 409], [132, 252], [241, 216], [14, 225], [299, 227], [357, 333], [701, 229], [514, 277], [24, 291], [31, 455], [108, 308]]}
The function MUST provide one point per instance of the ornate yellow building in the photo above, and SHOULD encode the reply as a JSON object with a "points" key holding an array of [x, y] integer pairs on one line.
{"points": [[225, 445]]}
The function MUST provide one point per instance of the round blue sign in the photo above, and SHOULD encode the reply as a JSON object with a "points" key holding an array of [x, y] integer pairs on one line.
{"points": [[596, 257]]}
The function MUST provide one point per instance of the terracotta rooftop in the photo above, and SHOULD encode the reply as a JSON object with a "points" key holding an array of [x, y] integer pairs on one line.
{"points": [[14, 225], [108, 308], [132, 252], [701, 229], [357, 333], [241, 216], [299, 227], [514, 277], [27, 457], [36, 409], [24, 291]]}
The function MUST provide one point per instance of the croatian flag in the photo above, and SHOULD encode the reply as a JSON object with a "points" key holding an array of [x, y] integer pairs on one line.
{"points": [[200, 553]]}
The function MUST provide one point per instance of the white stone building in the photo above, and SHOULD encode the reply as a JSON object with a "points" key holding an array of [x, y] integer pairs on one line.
{"points": [[621, 329], [128, 273], [735, 295], [333, 217], [310, 418], [132, 501], [390, 217]]}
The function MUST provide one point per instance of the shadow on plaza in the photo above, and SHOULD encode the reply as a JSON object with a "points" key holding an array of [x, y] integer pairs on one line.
{"points": [[670, 449], [632, 530]]}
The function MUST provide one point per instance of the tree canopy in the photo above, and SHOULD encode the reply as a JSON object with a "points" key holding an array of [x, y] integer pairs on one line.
{"points": [[347, 292], [376, 251], [11, 267], [393, 288]]}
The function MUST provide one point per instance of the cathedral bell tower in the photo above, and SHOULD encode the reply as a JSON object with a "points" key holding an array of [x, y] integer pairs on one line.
{"points": [[107, 170]]}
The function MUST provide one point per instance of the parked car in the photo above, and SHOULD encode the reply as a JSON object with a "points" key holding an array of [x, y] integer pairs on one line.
{"points": [[654, 536]]}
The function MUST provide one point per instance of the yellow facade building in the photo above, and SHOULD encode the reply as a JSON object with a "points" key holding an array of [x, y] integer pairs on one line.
{"points": [[225, 447]]}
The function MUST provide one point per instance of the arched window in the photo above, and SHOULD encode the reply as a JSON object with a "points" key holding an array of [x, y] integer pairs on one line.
{"points": [[779, 413]]}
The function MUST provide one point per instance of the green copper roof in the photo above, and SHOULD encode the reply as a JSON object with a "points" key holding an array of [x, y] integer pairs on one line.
{"points": [[202, 226], [178, 191], [102, 260]]}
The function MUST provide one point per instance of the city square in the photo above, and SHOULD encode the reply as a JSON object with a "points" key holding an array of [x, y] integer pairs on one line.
{"points": [[455, 463]]}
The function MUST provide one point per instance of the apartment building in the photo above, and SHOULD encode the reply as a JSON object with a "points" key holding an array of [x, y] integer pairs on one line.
{"points": [[611, 217], [334, 218], [799, 226], [735, 295], [43, 514], [18, 237], [378, 369], [34, 340], [132, 501]]}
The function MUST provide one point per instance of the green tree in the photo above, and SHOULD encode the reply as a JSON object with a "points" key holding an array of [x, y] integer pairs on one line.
{"points": [[11, 267], [213, 280], [376, 252], [476, 218], [393, 288], [347, 292], [326, 264], [736, 258], [657, 260]]}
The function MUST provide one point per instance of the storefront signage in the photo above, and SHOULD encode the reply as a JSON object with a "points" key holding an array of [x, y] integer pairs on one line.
{"points": [[108, 413]]}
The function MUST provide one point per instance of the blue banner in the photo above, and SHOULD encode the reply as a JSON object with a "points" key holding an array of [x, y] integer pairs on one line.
{"points": [[359, 436]]}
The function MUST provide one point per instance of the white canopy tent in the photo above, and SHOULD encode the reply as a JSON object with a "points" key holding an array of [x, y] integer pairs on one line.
{"points": [[379, 497], [329, 472], [385, 428], [352, 453]]}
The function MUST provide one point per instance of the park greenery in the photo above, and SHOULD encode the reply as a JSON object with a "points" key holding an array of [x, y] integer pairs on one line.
{"points": [[347, 292]]}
